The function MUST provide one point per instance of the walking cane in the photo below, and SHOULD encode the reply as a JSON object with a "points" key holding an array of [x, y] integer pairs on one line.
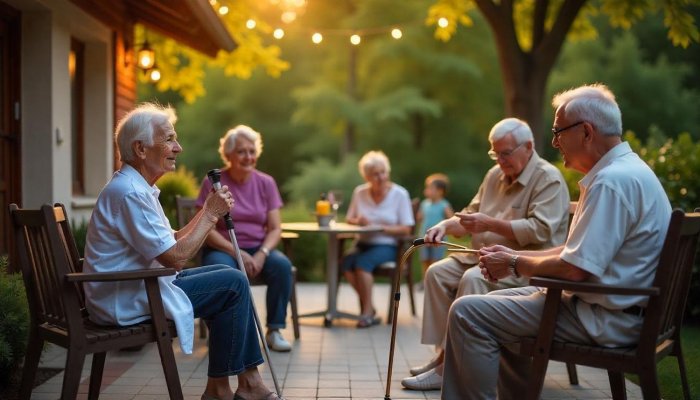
{"points": [[214, 176], [397, 297]]}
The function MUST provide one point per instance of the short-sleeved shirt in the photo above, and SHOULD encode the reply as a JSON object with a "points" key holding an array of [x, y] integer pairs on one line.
{"points": [[536, 204], [433, 212], [617, 233], [127, 231], [394, 209], [253, 200]]}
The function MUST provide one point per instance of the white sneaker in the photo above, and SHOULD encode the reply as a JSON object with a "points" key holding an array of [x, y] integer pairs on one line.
{"points": [[429, 380], [425, 367], [277, 342]]}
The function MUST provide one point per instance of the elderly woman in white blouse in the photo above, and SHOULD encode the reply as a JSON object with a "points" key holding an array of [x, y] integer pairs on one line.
{"points": [[377, 202]]}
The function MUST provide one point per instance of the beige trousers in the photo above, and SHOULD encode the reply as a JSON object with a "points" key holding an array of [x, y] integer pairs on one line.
{"points": [[445, 281]]}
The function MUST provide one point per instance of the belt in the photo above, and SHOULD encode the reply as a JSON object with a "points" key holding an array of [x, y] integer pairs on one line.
{"points": [[635, 310]]}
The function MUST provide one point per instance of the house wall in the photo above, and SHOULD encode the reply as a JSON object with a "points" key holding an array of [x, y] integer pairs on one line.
{"points": [[47, 155]]}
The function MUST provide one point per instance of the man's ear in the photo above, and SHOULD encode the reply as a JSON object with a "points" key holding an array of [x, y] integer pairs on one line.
{"points": [[588, 131], [139, 149]]}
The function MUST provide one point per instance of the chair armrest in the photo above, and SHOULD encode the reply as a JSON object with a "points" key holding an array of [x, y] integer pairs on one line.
{"points": [[589, 287], [119, 276]]}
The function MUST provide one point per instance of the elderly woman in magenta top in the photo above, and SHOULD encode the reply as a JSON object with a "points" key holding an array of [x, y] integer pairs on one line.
{"points": [[377, 202], [256, 217]]}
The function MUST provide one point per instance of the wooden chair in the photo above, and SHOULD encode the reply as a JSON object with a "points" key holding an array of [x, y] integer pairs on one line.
{"points": [[51, 269], [388, 269], [186, 208], [663, 316]]}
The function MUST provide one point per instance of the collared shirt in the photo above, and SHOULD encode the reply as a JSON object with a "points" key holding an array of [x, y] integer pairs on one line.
{"points": [[394, 209], [617, 233], [127, 231], [536, 204]]}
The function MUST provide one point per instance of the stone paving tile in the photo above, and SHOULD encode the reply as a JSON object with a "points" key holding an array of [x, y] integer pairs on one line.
{"points": [[336, 363]]}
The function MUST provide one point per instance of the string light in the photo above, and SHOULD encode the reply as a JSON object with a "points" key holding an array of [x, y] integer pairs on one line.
{"points": [[396, 33], [317, 38], [278, 33], [223, 10], [443, 22], [250, 24], [355, 39]]}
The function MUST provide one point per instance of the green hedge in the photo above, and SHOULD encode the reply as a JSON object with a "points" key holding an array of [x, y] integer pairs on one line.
{"points": [[14, 322]]}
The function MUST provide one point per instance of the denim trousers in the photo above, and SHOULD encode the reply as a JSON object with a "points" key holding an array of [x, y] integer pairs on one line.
{"points": [[221, 296], [276, 274]]}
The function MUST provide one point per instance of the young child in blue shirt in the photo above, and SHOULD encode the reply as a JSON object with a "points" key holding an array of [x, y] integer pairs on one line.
{"points": [[433, 209]]}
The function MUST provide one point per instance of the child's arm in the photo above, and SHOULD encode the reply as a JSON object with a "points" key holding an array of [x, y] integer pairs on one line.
{"points": [[449, 212]]}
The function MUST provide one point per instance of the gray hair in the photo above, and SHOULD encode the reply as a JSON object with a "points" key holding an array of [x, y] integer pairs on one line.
{"points": [[373, 159], [518, 128], [594, 104], [140, 124], [227, 144]]}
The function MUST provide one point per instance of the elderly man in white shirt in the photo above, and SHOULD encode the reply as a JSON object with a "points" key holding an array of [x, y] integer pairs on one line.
{"points": [[616, 238], [128, 230]]}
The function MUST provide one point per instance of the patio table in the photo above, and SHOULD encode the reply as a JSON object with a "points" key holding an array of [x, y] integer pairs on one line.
{"points": [[333, 230]]}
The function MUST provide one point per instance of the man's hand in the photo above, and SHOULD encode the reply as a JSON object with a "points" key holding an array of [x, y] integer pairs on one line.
{"points": [[475, 222], [495, 262], [436, 233]]}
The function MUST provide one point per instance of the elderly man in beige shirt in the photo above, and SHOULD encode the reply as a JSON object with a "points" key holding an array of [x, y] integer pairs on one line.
{"points": [[522, 203]]}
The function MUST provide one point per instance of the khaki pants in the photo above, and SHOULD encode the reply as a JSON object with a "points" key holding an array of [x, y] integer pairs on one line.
{"points": [[445, 281]]}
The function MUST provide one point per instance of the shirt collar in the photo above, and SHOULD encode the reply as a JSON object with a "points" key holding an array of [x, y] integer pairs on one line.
{"points": [[526, 173], [133, 174], [618, 151]]}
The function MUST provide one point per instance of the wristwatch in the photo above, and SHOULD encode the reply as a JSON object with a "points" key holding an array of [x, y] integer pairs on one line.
{"points": [[265, 251], [512, 267]]}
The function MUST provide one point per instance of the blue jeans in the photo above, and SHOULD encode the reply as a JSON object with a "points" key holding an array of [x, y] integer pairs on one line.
{"points": [[276, 274], [221, 296], [368, 257]]}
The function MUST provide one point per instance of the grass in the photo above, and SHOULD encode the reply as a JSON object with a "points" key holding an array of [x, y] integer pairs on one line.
{"points": [[667, 369]]}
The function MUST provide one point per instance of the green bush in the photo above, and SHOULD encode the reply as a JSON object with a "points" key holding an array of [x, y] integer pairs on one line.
{"points": [[182, 182], [80, 235], [676, 162], [14, 322]]}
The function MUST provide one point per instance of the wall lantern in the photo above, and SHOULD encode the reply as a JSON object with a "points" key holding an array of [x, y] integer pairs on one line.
{"points": [[146, 57]]}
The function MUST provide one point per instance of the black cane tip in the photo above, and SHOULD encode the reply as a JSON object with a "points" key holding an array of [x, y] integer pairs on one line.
{"points": [[418, 242]]}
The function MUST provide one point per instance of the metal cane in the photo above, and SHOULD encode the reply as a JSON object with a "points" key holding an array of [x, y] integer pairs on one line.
{"points": [[214, 176], [397, 298]]}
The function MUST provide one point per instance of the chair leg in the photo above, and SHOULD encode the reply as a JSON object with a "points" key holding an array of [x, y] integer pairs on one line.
{"points": [[202, 329], [681, 367], [293, 304], [649, 382], [71, 375], [96, 372], [573, 375], [617, 385], [31, 364]]}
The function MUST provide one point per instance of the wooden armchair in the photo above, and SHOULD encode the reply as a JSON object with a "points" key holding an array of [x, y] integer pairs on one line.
{"points": [[51, 269], [186, 208], [663, 316]]}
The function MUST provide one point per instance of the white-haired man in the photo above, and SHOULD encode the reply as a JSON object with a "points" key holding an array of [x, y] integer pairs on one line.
{"points": [[616, 237], [523, 203]]}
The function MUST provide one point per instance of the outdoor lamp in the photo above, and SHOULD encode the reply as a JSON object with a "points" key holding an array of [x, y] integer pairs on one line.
{"points": [[146, 57], [154, 73]]}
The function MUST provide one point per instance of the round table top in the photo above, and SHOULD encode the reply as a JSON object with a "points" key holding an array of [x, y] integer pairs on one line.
{"points": [[334, 227]]}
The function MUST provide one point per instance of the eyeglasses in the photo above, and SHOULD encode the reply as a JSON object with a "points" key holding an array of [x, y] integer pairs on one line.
{"points": [[503, 154], [556, 132]]}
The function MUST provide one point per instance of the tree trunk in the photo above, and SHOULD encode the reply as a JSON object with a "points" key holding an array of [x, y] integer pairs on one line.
{"points": [[348, 144], [525, 98]]}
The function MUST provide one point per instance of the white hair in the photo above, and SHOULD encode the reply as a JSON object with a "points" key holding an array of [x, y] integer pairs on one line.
{"points": [[594, 104], [373, 159], [518, 128], [227, 144], [140, 124]]}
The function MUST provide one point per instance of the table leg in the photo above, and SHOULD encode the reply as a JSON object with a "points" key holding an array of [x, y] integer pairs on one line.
{"points": [[332, 278]]}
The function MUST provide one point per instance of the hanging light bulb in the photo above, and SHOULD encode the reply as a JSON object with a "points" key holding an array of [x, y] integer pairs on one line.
{"points": [[396, 33], [250, 24], [355, 39], [146, 57], [317, 38], [443, 22], [278, 33], [154, 73], [223, 10]]}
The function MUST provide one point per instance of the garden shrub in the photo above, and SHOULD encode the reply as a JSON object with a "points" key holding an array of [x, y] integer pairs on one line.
{"points": [[182, 182], [80, 235], [14, 322]]}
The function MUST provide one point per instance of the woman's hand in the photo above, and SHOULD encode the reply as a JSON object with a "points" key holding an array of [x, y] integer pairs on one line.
{"points": [[252, 264], [218, 203]]}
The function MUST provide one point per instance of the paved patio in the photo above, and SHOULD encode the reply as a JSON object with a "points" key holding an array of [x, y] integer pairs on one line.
{"points": [[338, 363]]}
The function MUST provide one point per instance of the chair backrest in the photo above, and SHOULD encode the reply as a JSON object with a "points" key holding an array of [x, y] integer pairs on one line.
{"points": [[47, 252], [664, 313], [185, 209]]}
